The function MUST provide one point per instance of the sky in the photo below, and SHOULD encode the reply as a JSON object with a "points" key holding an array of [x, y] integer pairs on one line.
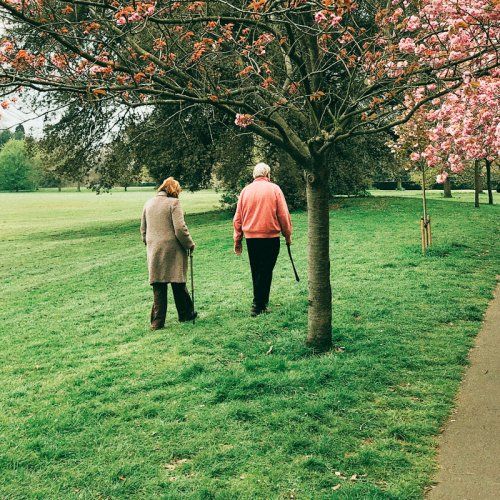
{"points": [[17, 114]]}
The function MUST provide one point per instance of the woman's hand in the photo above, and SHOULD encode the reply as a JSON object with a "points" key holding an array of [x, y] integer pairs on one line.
{"points": [[238, 247]]}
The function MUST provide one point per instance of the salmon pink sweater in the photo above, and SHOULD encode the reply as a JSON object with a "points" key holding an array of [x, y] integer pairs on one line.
{"points": [[262, 212]]}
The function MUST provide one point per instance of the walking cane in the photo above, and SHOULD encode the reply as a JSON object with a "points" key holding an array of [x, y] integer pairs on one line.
{"points": [[293, 265], [190, 253]]}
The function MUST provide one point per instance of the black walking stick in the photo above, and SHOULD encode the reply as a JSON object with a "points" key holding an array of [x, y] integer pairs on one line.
{"points": [[293, 265], [190, 252]]}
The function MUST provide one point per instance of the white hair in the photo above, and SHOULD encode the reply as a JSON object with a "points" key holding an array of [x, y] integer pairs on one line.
{"points": [[261, 170]]}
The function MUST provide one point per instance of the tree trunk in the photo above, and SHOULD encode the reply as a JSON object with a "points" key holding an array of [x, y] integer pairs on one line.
{"points": [[447, 188], [320, 293], [399, 186], [477, 183], [488, 181], [78, 186], [124, 188]]}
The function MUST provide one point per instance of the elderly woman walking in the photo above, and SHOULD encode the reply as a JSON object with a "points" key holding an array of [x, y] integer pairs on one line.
{"points": [[261, 215], [168, 241]]}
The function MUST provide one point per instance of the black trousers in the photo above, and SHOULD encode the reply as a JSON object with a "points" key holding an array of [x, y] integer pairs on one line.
{"points": [[182, 299], [263, 253]]}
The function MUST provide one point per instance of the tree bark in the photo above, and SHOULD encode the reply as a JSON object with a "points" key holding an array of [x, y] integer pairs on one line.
{"points": [[488, 181], [320, 293], [399, 186], [447, 188], [125, 188], [78, 186], [477, 183]]}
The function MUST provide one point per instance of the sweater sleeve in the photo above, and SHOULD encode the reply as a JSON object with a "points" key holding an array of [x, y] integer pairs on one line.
{"points": [[237, 222], [180, 228], [283, 214], [143, 225]]}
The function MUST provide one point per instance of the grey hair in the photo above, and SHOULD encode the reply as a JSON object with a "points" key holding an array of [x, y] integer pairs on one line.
{"points": [[261, 170]]}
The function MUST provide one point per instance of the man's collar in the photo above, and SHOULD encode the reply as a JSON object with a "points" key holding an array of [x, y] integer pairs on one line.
{"points": [[161, 193], [262, 179]]}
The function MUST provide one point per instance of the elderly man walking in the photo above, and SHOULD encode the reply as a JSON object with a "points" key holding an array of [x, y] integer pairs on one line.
{"points": [[261, 215]]}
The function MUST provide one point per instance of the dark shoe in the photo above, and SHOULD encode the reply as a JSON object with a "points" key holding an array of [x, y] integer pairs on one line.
{"points": [[193, 316], [256, 311], [157, 327]]}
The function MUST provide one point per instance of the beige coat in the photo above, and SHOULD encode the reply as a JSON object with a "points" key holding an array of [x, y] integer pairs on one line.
{"points": [[167, 238]]}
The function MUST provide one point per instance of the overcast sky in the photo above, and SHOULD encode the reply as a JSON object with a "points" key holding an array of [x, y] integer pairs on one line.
{"points": [[16, 114]]}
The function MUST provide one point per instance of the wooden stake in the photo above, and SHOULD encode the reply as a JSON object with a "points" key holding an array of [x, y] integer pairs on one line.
{"points": [[423, 235]]}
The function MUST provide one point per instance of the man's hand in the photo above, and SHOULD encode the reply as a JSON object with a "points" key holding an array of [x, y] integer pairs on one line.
{"points": [[238, 247], [289, 240], [192, 248]]}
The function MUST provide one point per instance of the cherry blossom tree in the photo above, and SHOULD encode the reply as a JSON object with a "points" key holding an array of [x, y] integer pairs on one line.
{"points": [[411, 143], [466, 129], [456, 131], [302, 74]]}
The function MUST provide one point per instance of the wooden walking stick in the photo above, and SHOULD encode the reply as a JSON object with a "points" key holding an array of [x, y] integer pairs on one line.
{"points": [[192, 281], [293, 264]]}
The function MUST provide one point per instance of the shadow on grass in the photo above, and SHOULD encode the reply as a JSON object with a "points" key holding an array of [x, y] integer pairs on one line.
{"points": [[126, 227]]}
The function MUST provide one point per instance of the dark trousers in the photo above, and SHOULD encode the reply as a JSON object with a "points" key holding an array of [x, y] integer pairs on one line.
{"points": [[263, 253], [182, 299]]}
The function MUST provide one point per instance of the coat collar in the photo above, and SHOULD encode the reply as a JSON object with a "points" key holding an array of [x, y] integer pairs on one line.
{"points": [[262, 179], [161, 193]]}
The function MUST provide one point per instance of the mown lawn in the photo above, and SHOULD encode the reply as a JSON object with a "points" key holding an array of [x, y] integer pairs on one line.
{"points": [[94, 405], [463, 195]]}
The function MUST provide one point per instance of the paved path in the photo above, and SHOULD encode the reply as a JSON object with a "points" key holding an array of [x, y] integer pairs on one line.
{"points": [[469, 452]]}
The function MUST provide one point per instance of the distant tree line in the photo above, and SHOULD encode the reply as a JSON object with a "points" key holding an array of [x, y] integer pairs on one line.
{"points": [[97, 147]]}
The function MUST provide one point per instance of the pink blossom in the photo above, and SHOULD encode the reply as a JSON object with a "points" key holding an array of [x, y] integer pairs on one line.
{"points": [[441, 178], [320, 16], [407, 45], [415, 156], [335, 20], [121, 20], [243, 120], [413, 23], [135, 16]]}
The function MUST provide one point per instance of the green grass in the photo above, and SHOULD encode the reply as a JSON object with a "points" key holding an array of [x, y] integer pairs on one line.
{"points": [[48, 210], [466, 195], [94, 405]]}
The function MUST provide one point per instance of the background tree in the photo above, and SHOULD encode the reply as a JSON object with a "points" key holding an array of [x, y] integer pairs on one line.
{"points": [[179, 142], [5, 137], [303, 75], [17, 169]]}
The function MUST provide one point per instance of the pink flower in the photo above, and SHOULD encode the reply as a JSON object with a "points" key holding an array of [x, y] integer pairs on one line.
{"points": [[243, 120], [335, 20], [413, 23], [135, 17], [407, 45], [441, 178], [121, 21], [151, 10], [319, 17]]}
